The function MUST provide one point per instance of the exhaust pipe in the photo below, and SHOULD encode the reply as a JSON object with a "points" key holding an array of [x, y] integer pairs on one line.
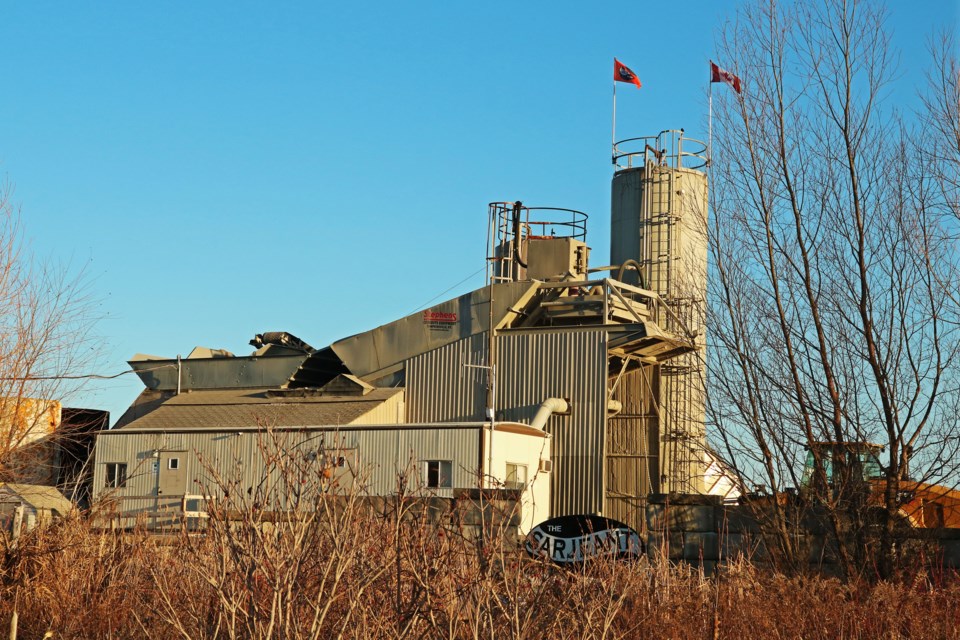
{"points": [[547, 409]]}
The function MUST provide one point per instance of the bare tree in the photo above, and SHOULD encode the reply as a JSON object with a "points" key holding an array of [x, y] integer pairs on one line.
{"points": [[833, 314], [941, 119], [46, 321]]}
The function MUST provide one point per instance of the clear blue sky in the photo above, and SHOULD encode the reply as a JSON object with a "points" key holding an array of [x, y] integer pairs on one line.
{"points": [[230, 168]]}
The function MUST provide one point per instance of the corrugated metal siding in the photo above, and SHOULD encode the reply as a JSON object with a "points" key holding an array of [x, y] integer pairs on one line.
{"points": [[461, 446], [385, 455], [531, 366], [633, 469], [227, 452], [439, 388], [568, 364], [238, 457], [390, 411]]}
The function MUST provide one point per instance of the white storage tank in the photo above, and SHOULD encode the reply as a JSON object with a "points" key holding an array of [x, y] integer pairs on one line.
{"points": [[659, 221]]}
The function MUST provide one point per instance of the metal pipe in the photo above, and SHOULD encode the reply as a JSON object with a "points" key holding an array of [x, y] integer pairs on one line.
{"points": [[636, 267], [547, 409], [517, 231], [609, 267], [493, 416]]}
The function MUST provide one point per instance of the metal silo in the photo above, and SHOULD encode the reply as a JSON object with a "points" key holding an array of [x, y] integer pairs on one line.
{"points": [[659, 221]]}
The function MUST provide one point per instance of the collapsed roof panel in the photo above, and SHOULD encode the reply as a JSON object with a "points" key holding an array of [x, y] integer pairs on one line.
{"points": [[321, 367], [374, 353]]}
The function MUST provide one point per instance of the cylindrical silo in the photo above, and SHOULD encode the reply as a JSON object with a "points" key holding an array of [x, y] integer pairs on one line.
{"points": [[659, 220]]}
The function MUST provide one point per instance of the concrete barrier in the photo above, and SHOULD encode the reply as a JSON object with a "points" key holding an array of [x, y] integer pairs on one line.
{"points": [[702, 531]]}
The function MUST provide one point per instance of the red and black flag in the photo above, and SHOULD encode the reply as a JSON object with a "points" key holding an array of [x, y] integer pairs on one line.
{"points": [[621, 73], [720, 75]]}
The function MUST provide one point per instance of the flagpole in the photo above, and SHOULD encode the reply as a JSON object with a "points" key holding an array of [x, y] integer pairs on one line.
{"points": [[613, 130], [710, 119], [710, 142]]}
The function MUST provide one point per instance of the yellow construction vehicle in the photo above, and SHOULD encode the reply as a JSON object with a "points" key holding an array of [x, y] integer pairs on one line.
{"points": [[921, 505]]}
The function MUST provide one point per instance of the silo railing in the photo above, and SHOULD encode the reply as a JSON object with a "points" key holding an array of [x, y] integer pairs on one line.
{"points": [[669, 148], [512, 224]]}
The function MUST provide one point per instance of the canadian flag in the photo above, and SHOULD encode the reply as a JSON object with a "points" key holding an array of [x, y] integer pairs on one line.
{"points": [[720, 75]]}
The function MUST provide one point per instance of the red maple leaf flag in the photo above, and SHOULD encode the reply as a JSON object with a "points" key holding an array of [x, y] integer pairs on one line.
{"points": [[720, 75], [621, 73]]}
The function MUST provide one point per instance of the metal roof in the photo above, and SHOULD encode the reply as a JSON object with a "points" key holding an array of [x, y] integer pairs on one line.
{"points": [[372, 354], [501, 426], [37, 496], [238, 408]]}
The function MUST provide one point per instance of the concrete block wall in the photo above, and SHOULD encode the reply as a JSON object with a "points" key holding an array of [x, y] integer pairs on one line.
{"points": [[685, 528], [702, 531]]}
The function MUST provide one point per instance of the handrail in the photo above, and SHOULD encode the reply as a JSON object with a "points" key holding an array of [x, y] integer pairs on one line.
{"points": [[664, 149], [618, 289], [512, 224]]}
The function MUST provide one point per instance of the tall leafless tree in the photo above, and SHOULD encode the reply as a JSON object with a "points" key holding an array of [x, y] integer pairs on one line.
{"points": [[941, 120], [834, 270], [46, 321]]}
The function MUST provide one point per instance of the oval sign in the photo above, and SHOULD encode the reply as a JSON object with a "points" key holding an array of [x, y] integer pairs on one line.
{"points": [[569, 539]]}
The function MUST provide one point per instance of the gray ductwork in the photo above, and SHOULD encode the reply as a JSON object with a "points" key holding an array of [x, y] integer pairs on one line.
{"points": [[281, 339], [549, 407]]}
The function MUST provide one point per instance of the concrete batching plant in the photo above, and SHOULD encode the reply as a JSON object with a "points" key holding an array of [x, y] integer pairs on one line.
{"points": [[579, 385]]}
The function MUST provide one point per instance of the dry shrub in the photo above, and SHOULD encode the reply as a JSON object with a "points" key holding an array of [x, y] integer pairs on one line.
{"points": [[333, 564], [75, 580], [372, 574]]}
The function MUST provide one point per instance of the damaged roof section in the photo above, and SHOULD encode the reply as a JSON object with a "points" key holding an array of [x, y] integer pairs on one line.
{"points": [[377, 353], [280, 360], [633, 317], [284, 361]]}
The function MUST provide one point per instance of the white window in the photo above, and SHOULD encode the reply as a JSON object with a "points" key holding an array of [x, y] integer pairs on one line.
{"points": [[439, 473], [173, 464], [516, 476], [116, 475]]}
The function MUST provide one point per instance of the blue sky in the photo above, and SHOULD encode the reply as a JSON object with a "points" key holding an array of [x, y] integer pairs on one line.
{"points": [[224, 169]]}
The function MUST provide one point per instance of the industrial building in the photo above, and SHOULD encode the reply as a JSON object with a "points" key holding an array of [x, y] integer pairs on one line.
{"points": [[580, 385], [203, 442]]}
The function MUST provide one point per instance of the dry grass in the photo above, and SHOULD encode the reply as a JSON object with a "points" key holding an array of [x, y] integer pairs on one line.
{"points": [[360, 574]]}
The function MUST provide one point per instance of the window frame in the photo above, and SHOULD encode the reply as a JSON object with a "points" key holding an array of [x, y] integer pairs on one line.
{"points": [[515, 483], [115, 475], [444, 474]]}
